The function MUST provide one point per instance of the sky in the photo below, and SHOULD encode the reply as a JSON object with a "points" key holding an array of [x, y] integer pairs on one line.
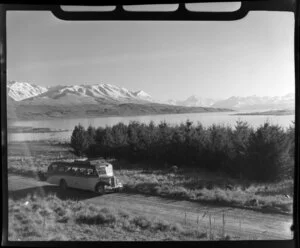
{"points": [[168, 60]]}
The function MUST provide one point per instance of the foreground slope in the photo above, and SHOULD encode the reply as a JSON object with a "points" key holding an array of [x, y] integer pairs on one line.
{"points": [[239, 223]]}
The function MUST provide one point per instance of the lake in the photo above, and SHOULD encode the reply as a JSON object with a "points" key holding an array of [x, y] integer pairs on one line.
{"points": [[206, 119]]}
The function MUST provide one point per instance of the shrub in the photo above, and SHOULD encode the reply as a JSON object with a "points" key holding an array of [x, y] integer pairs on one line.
{"points": [[162, 225], [124, 214], [267, 153], [142, 222], [79, 140], [94, 216], [178, 228]]}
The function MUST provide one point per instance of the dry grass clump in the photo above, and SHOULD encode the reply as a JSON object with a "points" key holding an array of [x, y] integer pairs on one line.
{"points": [[49, 218], [93, 215]]}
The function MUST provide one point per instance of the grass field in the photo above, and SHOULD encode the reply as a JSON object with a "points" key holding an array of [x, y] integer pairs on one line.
{"points": [[36, 218], [200, 186], [28, 158]]}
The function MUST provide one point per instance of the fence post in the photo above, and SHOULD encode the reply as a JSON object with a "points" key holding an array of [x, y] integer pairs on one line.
{"points": [[210, 235], [223, 224], [44, 224]]}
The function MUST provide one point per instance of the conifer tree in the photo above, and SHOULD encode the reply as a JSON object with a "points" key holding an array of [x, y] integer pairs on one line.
{"points": [[79, 141]]}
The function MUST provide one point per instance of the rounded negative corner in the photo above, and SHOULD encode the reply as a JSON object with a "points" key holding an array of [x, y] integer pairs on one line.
{"points": [[61, 14], [58, 12], [234, 15]]}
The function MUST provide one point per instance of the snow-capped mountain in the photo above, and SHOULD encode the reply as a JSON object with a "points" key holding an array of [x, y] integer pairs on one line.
{"points": [[19, 91], [143, 95], [76, 94], [193, 101], [256, 102], [240, 103], [83, 94]]}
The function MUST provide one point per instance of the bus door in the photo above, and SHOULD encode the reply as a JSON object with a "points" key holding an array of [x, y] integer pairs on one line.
{"points": [[67, 175], [92, 178], [70, 176], [81, 179], [51, 174]]}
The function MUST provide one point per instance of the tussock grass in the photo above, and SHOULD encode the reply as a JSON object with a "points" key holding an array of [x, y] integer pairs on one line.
{"points": [[93, 215], [49, 218], [206, 187]]}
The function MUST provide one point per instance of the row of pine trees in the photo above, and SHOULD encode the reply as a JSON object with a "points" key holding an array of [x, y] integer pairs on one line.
{"points": [[262, 154]]}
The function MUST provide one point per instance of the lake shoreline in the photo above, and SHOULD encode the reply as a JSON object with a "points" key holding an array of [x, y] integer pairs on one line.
{"points": [[90, 116], [24, 129], [269, 113], [62, 128]]}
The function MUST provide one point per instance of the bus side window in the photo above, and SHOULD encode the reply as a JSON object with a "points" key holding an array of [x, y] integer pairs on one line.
{"points": [[83, 171], [68, 170], [54, 167], [75, 171], [61, 169], [90, 172]]}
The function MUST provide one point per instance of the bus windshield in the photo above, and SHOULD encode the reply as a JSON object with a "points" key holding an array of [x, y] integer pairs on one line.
{"points": [[101, 170]]}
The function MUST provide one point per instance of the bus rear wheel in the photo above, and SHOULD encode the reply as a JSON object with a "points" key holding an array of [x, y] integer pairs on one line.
{"points": [[100, 189], [63, 185]]}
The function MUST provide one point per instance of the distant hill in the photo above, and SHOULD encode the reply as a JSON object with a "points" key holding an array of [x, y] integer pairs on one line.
{"points": [[193, 101], [30, 112], [240, 103], [258, 103], [270, 112]]}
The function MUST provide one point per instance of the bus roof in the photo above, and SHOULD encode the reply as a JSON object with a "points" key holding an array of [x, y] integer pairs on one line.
{"points": [[84, 163]]}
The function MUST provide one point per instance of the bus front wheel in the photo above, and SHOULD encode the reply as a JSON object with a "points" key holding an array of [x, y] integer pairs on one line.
{"points": [[63, 185], [100, 189]]}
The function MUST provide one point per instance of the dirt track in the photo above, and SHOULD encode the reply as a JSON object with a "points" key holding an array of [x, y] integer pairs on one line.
{"points": [[239, 223]]}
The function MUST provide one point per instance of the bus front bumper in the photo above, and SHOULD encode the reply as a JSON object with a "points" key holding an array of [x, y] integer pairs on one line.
{"points": [[113, 188]]}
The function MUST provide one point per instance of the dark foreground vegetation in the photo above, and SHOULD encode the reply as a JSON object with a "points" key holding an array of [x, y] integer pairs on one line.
{"points": [[263, 154], [36, 218]]}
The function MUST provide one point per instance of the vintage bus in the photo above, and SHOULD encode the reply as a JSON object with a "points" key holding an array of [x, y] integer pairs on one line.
{"points": [[94, 175]]}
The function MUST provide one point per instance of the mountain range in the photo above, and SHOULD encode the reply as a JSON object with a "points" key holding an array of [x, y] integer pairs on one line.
{"points": [[74, 94], [30, 101], [241, 103], [28, 93], [27, 100]]}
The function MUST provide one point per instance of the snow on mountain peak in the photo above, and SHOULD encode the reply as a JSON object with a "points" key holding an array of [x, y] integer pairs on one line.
{"points": [[95, 92], [193, 101], [257, 102], [23, 90], [142, 94]]}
